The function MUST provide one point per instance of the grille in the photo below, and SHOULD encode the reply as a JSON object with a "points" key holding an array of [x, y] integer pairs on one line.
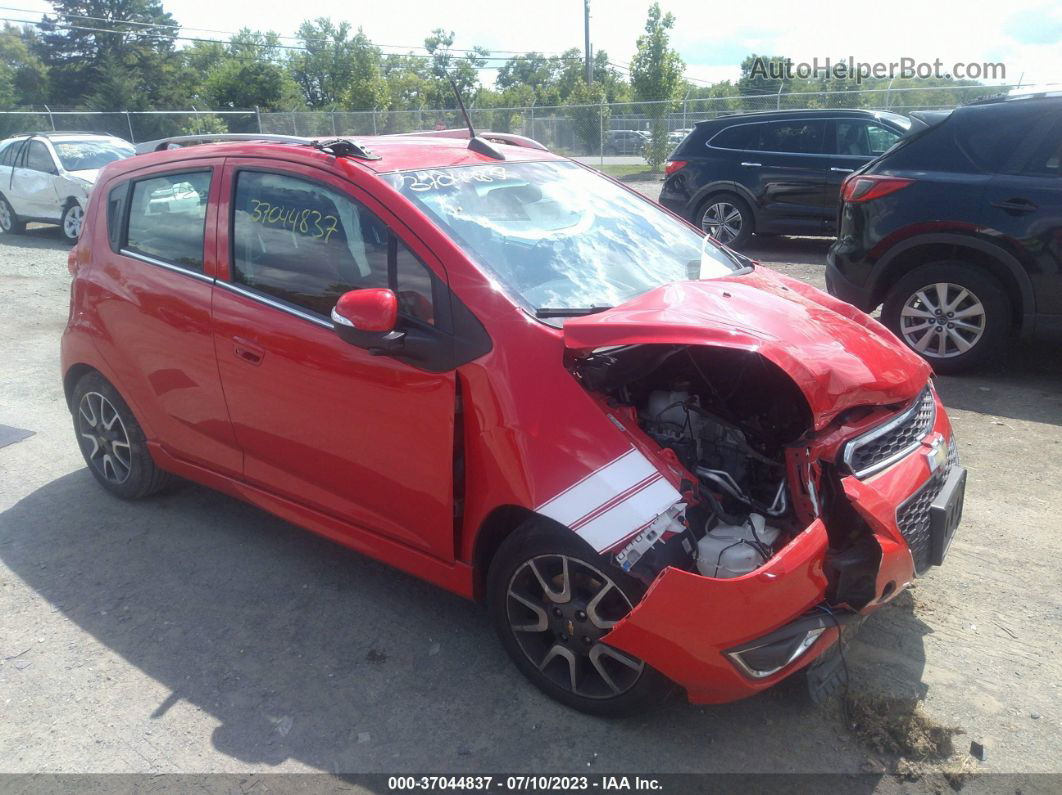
{"points": [[912, 517], [887, 443]]}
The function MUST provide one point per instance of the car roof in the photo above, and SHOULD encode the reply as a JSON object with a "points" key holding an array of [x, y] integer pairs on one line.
{"points": [[773, 115], [53, 135], [390, 152]]}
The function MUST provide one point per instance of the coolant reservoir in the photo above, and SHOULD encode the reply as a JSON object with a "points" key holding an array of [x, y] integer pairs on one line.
{"points": [[733, 550]]}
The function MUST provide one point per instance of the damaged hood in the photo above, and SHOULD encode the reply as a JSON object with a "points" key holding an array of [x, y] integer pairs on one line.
{"points": [[838, 356]]}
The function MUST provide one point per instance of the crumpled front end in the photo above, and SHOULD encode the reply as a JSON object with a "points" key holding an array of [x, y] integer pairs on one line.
{"points": [[860, 511]]}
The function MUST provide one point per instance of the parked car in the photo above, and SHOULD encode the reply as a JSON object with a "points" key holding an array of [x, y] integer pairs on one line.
{"points": [[625, 142], [47, 177], [675, 137], [773, 173], [956, 231], [657, 462]]}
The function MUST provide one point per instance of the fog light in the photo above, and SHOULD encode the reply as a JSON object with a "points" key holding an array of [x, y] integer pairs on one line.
{"points": [[770, 658]]}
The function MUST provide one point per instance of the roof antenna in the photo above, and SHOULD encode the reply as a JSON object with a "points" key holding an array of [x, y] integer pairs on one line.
{"points": [[475, 143]]}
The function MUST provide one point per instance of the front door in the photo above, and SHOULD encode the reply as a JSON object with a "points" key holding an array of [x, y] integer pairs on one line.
{"points": [[33, 183], [366, 439]]}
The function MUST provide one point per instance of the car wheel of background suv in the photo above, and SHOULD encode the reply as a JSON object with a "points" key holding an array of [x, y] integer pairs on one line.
{"points": [[726, 218], [9, 222], [951, 314], [112, 442], [551, 600], [73, 215]]}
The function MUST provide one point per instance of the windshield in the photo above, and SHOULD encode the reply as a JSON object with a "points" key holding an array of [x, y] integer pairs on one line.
{"points": [[559, 237], [93, 153]]}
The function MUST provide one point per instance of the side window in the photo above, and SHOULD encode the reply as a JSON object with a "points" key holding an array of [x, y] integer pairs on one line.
{"points": [[741, 136], [797, 137], [167, 216], [10, 151], [116, 214], [308, 244], [38, 158], [1046, 160], [994, 146], [881, 138]]}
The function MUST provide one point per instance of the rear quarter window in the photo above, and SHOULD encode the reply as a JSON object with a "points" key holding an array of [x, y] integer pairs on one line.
{"points": [[740, 136]]}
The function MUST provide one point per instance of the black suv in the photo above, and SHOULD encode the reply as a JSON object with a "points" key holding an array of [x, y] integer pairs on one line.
{"points": [[957, 232], [773, 173]]}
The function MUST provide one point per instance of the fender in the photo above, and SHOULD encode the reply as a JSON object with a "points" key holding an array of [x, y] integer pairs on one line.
{"points": [[878, 279], [725, 186]]}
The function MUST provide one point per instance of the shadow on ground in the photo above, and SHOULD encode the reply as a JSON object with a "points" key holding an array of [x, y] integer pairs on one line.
{"points": [[1025, 385], [305, 651], [38, 236]]}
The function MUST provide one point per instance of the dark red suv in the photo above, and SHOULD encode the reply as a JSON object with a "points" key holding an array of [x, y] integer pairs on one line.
{"points": [[496, 369]]}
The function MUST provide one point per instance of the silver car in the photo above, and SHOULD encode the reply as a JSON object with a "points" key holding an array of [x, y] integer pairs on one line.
{"points": [[47, 177]]}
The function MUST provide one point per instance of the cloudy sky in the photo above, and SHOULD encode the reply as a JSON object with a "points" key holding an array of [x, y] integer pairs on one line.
{"points": [[1026, 35]]}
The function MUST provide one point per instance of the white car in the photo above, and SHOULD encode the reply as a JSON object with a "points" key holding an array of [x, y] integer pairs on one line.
{"points": [[47, 177]]}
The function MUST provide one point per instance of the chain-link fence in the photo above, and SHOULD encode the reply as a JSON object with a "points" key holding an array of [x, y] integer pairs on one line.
{"points": [[609, 133]]}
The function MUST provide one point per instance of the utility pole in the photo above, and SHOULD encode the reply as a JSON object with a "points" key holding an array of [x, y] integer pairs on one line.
{"points": [[586, 32]]}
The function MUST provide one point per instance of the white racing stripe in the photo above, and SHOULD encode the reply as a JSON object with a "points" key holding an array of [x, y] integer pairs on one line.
{"points": [[614, 501]]}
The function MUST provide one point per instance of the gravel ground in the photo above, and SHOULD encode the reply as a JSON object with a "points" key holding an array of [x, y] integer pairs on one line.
{"points": [[193, 633]]}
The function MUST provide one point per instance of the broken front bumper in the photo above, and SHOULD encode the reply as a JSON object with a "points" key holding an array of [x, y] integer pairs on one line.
{"points": [[723, 639]]}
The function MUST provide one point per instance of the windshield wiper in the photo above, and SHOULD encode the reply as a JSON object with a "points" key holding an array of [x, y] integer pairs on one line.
{"points": [[568, 311]]}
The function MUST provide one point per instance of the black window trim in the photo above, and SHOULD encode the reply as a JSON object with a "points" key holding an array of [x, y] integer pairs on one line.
{"points": [[824, 119], [440, 295], [123, 234]]}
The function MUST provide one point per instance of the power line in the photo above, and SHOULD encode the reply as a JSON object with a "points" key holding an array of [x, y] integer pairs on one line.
{"points": [[517, 53]]}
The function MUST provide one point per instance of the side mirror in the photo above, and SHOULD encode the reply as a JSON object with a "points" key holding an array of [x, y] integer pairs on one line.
{"points": [[367, 318]]}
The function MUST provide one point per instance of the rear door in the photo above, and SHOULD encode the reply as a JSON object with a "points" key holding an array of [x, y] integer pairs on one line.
{"points": [[366, 439], [33, 193], [1024, 203], [786, 170], [851, 144], [154, 249]]}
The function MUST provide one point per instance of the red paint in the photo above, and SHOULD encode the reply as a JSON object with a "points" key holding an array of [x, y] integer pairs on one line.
{"points": [[371, 309], [277, 410]]}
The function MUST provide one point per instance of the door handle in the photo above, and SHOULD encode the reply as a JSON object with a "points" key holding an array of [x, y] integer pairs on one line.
{"points": [[753, 165], [247, 351], [1016, 205], [842, 170]]}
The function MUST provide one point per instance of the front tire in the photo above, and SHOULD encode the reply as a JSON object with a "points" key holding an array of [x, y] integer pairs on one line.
{"points": [[73, 216], [9, 221], [727, 219], [953, 315], [112, 442], [551, 600]]}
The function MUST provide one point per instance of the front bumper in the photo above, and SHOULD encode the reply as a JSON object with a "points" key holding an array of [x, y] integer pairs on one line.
{"points": [[689, 627]]}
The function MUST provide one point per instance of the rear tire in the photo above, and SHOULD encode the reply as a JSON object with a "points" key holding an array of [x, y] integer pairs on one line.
{"points": [[553, 636], [727, 218], [917, 308], [10, 224], [112, 441]]}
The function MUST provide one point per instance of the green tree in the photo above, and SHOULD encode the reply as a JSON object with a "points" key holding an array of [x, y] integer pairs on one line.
{"points": [[589, 114], [23, 77], [337, 69], [77, 50], [247, 73], [656, 78]]}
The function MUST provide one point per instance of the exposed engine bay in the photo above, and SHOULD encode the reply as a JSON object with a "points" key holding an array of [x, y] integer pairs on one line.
{"points": [[728, 417]]}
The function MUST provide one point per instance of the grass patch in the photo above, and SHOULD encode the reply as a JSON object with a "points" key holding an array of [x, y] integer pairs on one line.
{"points": [[900, 728], [633, 172]]}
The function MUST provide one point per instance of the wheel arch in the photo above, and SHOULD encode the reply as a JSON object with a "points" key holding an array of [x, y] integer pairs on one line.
{"points": [[988, 257], [499, 524], [74, 374], [718, 188]]}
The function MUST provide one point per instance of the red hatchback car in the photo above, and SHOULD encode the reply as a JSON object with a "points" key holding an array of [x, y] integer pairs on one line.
{"points": [[657, 462]]}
